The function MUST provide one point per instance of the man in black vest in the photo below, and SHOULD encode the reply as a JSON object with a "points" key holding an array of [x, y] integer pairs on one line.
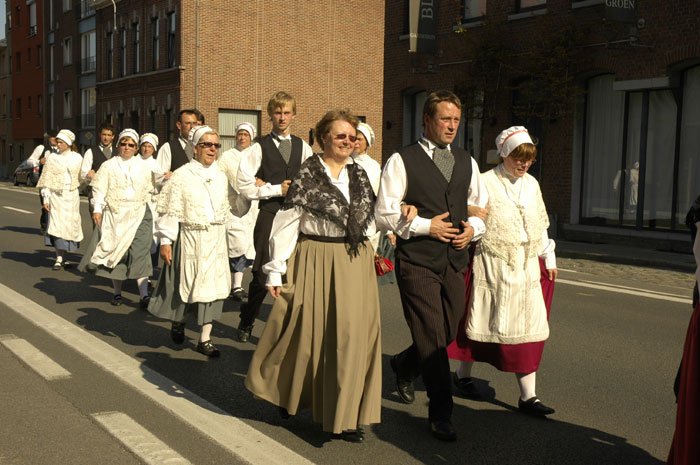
{"points": [[177, 152], [272, 162], [96, 155], [38, 159], [423, 198]]}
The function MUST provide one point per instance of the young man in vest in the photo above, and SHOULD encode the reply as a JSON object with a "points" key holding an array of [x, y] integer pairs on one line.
{"points": [[177, 152], [96, 155], [423, 197], [274, 160], [38, 159]]}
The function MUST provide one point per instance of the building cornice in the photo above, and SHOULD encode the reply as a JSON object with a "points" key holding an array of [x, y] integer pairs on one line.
{"points": [[141, 75]]}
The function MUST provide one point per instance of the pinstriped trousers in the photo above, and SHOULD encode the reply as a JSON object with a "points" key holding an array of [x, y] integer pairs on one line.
{"points": [[433, 303]]}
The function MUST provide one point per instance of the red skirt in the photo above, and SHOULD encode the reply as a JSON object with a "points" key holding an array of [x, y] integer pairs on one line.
{"points": [[685, 448], [516, 358]]}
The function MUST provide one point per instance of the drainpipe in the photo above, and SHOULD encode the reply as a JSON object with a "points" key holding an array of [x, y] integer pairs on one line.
{"points": [[114, 4], [196, 59]]}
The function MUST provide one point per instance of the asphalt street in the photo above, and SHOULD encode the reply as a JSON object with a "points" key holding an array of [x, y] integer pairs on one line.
{"points": [[608, 368]]}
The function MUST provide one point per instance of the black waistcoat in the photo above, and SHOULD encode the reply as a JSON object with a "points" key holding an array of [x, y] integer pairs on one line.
{"points": [[428, 190], [274, 170], [178, 156], [47, 150], [98, 156]]}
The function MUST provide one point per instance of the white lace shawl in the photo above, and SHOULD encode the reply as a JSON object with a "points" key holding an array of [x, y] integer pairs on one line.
{"points": [[112, 183], [186, 194], [53, 176], [505, 220]]}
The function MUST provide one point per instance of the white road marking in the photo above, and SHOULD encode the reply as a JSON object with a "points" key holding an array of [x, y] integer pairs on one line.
{"points": [[245, 442], [632, 288], [34, 358], [138, 439], [17, 209], [568, 271], [648, 294]]}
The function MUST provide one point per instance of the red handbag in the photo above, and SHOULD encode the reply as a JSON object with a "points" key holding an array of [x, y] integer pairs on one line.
{"points": [[382, 265]]}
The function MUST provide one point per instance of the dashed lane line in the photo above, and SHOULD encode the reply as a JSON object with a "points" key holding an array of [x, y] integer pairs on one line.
{"points": [[630, 291], [17, 209], [34, 358], [243, 441], [138, 439]]}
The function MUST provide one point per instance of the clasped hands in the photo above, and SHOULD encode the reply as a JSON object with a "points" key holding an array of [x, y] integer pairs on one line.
{"points": [[442, 230]]}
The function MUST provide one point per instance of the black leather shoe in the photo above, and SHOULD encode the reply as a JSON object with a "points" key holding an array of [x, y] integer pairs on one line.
{"points": [[208, 349], [350, 435], [533, 406], [443, 430], [143, 303], [116, 300], [466, 387], [244, 332], [284, 414], [404, 387], [177, 332], [238, 294]]}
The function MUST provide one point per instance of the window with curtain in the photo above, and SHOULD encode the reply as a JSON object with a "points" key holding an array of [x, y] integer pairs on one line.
{"points": [[602, 151], [473, 9], [171, 39], [689, 145]]}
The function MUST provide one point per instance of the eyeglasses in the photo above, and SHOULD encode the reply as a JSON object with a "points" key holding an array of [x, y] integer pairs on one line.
{"points": [[126, 144], [344, 136], [209, 144]]}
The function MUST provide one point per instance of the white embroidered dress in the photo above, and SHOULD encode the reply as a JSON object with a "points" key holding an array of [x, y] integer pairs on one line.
{"points": [[153, 198], [239, 230], [195, 203], [59, 183], [506, 304], [121, 189]]}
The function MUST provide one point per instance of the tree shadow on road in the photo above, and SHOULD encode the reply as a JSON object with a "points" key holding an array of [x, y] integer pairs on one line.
{"points": [[41, 258]]}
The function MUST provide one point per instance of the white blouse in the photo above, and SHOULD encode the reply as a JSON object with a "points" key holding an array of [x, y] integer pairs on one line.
{"points": [[289, 223]]}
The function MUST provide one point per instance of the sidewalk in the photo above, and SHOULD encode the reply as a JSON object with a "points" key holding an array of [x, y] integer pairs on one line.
{"points": [[613, 253]]}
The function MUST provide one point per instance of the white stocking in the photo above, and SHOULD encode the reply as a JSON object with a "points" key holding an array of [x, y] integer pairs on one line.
{"points": [[206, 332], [143, 286], [117, 283], [237, 279], [59, 255], [464, 370], [526, 381]]}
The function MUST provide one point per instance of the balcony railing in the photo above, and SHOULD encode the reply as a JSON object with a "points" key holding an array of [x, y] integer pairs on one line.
{"points": [[88, 64]]}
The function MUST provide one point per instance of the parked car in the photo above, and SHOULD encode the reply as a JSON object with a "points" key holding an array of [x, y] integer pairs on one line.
{"points": [[26, 174]]}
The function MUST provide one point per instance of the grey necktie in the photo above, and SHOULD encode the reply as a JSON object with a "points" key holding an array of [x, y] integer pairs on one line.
{"points": [[285, 149], [108, 151], [445, 161]]}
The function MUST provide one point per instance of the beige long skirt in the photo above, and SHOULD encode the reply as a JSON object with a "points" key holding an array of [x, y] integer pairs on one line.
{"points": [[321, 347]]}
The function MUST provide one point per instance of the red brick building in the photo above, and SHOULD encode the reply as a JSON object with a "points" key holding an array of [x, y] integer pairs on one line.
{"points": [[615, 104], [8, 161], [26, 30], [227, 58]]}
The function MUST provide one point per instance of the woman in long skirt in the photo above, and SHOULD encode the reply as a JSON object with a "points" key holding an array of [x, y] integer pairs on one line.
{"points": [[506, 321], [148, 146], [121, 242], [685, 448], [321, 347], [59, 184]]}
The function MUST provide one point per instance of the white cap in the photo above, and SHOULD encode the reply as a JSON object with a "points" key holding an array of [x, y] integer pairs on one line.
{"points": [[246, 127], [66, 136], [197, 132], [367, 131], [150, 138], [509, 139], [129, 133]]}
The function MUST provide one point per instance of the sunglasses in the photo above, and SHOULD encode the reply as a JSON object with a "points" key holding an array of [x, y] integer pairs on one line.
{"points": [[343, 136], [126, 144], [209, 144]]}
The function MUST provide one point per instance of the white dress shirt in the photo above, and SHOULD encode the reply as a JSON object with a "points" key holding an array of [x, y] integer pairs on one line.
{"points": [[250, 164], [165, 155], [392, 191], [35, 157], [88, 159]]}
